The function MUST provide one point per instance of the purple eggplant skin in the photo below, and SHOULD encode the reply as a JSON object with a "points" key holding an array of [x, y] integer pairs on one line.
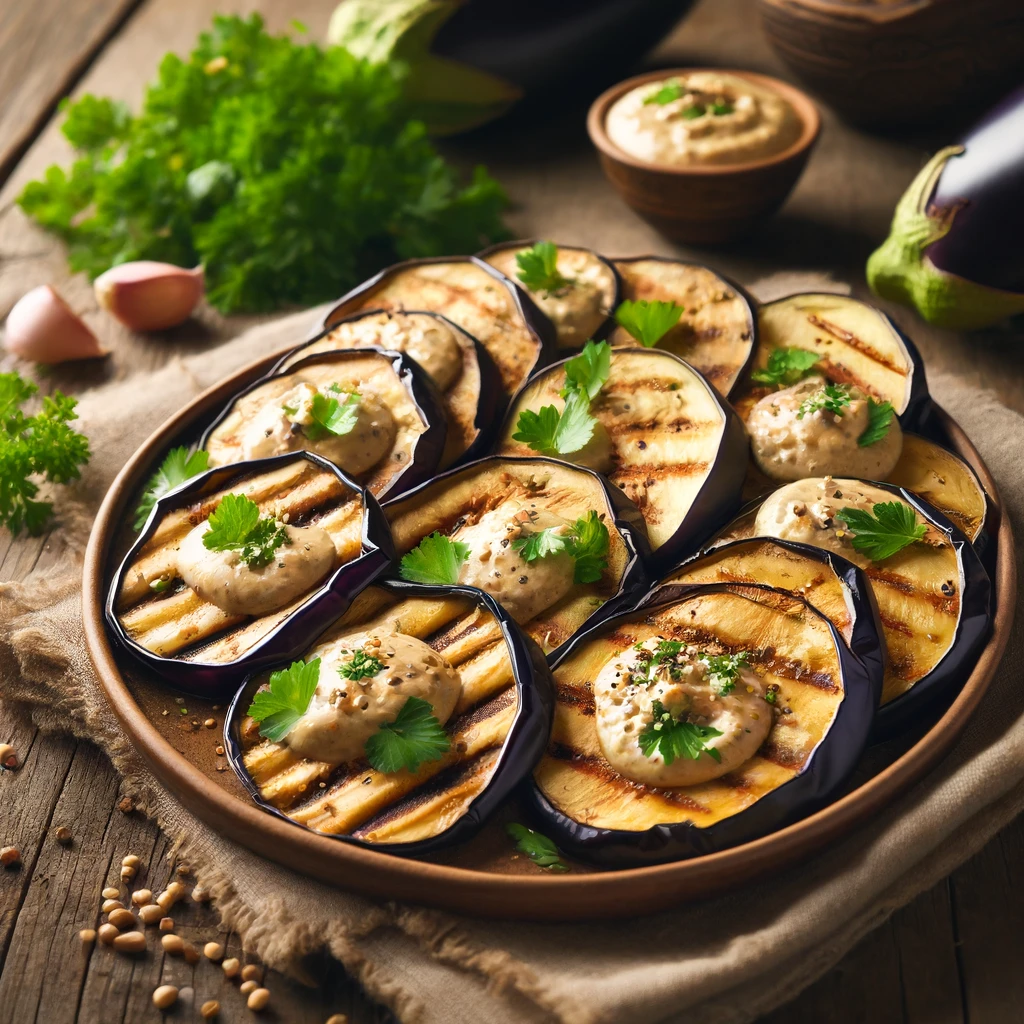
{"points": [[524, 744], [525, 243], [983, 190], [866, 637], [627, 521], [972, 630], [290, 637], [829, 766], [539, 326], [422, 390], [491, 401]]}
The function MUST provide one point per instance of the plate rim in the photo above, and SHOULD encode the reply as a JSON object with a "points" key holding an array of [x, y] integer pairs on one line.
{"points": [[585, 896]]}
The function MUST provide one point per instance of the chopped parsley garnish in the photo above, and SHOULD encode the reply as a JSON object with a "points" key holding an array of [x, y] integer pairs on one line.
{"points": [[586, 541], [177, 467], [832, 398], [723, 107], [541, 850], [436, 559], [362, 666], [331, 417], [668, 93], [889, 527], [42, 445], [588, 372], [285, 702], [691, 113], [415, 736], [538, 268], [771, 695], [880, 416], [158, 586], [648, 322], [724, 670], [676, 738], [786, 366], [236, 525], [667, 655]]}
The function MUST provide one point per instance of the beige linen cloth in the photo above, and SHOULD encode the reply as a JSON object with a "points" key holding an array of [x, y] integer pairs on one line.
{"points": [[721, 962]]}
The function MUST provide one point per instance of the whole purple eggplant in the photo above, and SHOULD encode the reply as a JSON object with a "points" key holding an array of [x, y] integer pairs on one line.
{"points": [[954, 250]]}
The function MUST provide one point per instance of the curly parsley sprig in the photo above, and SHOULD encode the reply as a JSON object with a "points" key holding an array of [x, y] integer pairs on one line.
{"points": [[833, 398]]}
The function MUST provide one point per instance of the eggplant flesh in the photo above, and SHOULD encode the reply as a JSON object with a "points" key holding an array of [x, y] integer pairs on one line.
{"points": [[717, 329], [473, 402], [678, 452], [822, 718], [470, 293], [933, 602], [410, 398], [461, 497], [858, 345], [575, 320], [497, 730]]}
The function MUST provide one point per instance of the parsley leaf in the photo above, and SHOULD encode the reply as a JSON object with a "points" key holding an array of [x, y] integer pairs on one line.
{"points": [[668, 93], [831, 398], [240, 155], [586, 541], [362, 666], [541, 850], [691, 113], [648, 322], [538, 268], [541, 544], [722, 107], [786, 366], [551, 432], [674, 738], [436, 559], [331, 417], [724, 670], [235, 525], [177, 467], [280, 707], [42, 445], [880, 416], [413, 737], [889, 527], [588, 372]]}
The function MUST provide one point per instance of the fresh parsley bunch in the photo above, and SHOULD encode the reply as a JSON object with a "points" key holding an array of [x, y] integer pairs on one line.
{"points": [[289, 171], [41, 446]]}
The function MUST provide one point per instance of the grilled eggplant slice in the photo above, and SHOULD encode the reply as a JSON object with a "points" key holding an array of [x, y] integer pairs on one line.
{"points": [[582, 307], [678, 452], [473, 397], [498, 730], [822, 717], [858, 344], [470, 293], [195, 644], [827, 581], [717, 330], [934, 601], [459, 499], [412, 406]]}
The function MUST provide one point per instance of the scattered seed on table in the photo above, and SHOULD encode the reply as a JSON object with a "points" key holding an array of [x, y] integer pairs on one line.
{"points": [[219, 750], [337, 1018], [142, 896], [213, 951], [165, 997], [110, 893], [88, 936], [258, 999], [121, 918], [127, 874], [126, 805], [252, 972], [150, 913], [190, 953], [167, 924], [210, 723], [209, 1009], [130, 942], [174, 945], [248, 986], [107, 933], [63, 835], [131, 861], [109, 906], [8, 756], [230, 967], [10, 856]]}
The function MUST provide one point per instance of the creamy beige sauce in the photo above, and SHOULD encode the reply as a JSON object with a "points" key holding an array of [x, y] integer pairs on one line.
{"points": [[494, 565], [624, 701], [685, 131], [805, 511], [429, 341], [788, 447], [580, 306], [344, 713], [283, 424], [223, 579]]}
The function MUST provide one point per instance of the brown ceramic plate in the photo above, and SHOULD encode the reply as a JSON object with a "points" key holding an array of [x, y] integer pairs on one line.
{"points": [[481, 877]]}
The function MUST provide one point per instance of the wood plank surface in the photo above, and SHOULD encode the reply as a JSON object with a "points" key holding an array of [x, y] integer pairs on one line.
{"points": [[950, 957]]}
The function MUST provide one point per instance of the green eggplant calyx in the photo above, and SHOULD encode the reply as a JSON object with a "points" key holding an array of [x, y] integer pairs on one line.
{"points": [[448, 96], [899, 269]]}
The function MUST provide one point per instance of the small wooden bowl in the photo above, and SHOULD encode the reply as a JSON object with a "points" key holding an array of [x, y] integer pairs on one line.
{"points": [[702, 204]]}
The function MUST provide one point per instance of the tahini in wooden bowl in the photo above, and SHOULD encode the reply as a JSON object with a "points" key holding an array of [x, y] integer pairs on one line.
{"points": [[480, 878], [704, 203]]}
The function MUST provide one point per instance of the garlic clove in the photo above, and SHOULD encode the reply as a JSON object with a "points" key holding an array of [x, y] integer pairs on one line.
{"points": [[42, 328], [149, 296]]}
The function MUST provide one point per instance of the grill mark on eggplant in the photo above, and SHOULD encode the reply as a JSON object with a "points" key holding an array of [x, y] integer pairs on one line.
{"points": [[621, 426], [580, 698], [474, 716], [781, 755], [653, 473], [851, 339], [940, 603]]}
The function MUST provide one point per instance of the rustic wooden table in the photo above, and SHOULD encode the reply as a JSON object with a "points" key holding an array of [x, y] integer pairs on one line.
{"points": [[950, 956]]}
